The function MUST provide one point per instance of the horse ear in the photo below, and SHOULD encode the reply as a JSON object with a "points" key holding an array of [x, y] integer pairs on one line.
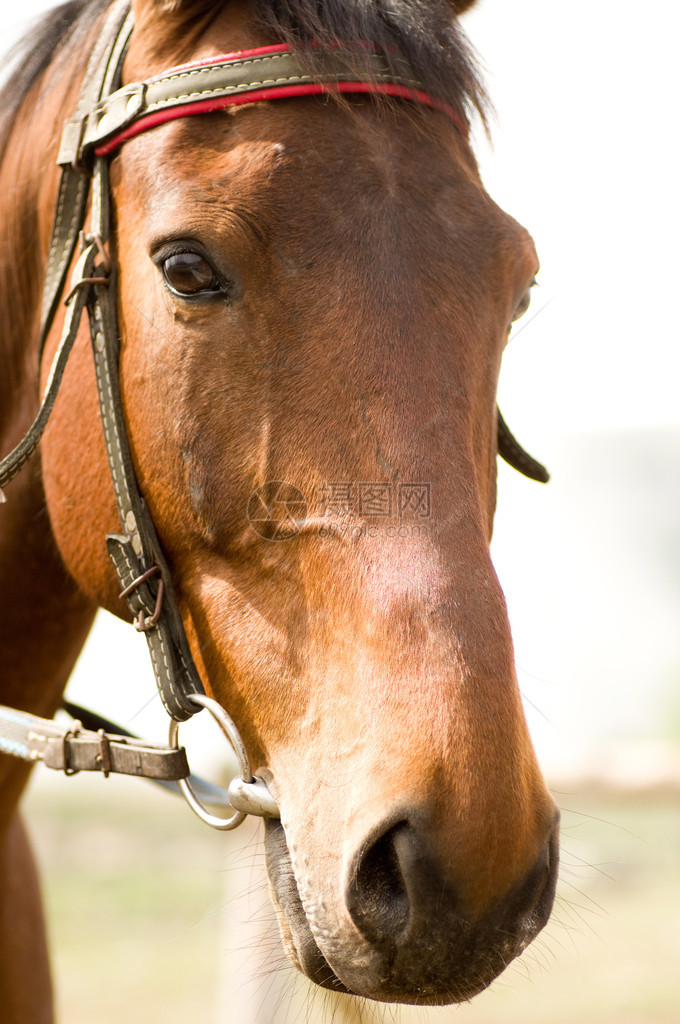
{"points": [[200, 6], [460, 6], [158, 8]]}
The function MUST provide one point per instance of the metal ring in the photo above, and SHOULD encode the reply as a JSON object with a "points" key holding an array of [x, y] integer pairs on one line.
{"points": [[231, 732]]}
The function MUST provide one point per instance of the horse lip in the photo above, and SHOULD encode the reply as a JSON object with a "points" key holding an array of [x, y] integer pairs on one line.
{"points": [[539, 916], [302, 945]]}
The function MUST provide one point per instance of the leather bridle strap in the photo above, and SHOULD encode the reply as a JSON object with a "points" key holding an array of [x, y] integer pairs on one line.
{"points": [[94, 744], [136, 553], [101, 77], [76, 749], [248, 76]]}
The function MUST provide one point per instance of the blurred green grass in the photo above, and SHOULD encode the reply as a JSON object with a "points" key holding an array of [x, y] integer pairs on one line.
{"points": [[132, 888], [138, 895]]}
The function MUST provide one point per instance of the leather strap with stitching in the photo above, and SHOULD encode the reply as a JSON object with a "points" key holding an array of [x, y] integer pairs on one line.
{"points": [[209, 85], [71, 205], [15, 461], [102, 69], [137, 550], [75, 749]]}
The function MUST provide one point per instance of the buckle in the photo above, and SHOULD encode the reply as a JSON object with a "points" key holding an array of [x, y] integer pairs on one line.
{"points": [[81, 135], [71, 145], [66, 748], [142, 623]]}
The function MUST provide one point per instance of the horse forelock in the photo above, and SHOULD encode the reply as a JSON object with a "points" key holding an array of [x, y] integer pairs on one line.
{"points": [[426, 34]]}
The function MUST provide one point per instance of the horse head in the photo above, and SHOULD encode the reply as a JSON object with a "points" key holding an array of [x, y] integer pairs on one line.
{"points": [[314, 298]]}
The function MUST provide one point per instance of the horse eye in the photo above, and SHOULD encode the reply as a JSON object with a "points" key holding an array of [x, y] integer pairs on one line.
{"points": [[522, 307], [189, 274]]}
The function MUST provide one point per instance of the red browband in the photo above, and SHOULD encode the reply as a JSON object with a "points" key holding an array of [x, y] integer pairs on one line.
{"points": [[198, 104]]}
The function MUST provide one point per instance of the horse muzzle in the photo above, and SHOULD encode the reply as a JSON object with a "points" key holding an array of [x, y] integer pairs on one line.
{"points": [[400, 930]]}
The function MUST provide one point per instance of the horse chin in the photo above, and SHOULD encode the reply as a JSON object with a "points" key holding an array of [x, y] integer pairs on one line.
{"points": [[430, 972]]}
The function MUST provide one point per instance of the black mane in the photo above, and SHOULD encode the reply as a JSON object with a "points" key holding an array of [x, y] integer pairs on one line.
{"points": [[424, 32]]}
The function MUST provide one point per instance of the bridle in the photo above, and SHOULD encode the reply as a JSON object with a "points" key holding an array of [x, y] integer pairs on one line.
{"points": [[106, 116]]}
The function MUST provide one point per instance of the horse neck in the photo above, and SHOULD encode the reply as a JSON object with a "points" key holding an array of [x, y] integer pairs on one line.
{"points": [[44, 618], [29, 175]]}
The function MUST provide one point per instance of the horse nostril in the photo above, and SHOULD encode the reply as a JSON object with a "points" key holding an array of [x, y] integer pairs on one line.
{"points": [[377, 898]]}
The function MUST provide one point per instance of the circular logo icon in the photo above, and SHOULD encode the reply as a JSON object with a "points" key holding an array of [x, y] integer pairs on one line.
{"points": [[275, 510]]}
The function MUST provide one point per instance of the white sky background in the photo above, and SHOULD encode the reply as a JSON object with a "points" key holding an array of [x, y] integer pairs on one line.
{"points": [[585, 155]]}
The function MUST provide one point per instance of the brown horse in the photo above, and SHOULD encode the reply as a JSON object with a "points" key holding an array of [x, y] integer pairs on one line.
{"points": [[314, 296]]}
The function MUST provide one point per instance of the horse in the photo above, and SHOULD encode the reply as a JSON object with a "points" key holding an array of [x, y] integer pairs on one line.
{"points": [[313, 292]]}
